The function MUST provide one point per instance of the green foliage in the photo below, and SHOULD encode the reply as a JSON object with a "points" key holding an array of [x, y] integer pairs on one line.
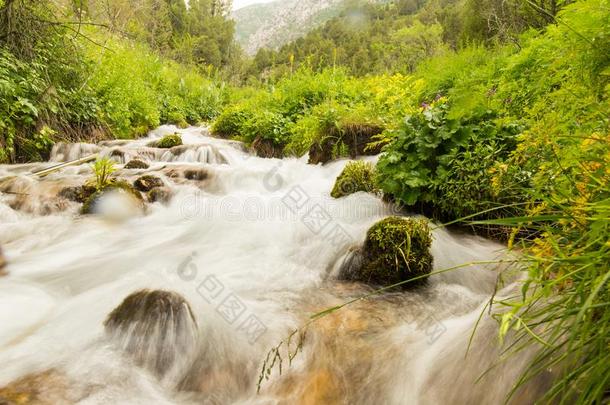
{"points": [[169, 141], [267, 125], [395, 250], [231, 121], [356, 176], [103, 169], [428, 151]]}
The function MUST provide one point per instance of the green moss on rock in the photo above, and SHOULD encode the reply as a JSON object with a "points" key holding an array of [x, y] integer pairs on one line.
{"points": [[356, 176], [396, 250], [169, 141], [123, 186]]}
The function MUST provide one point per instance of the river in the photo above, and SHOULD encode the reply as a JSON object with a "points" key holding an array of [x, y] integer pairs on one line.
{"points": [[254, 246]]}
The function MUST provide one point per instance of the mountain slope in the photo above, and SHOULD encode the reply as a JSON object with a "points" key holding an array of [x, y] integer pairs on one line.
{"points": [[273, 24]]}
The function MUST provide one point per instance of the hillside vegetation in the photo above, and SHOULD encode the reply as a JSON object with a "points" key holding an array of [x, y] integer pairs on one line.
{"points": [[86, 71]]}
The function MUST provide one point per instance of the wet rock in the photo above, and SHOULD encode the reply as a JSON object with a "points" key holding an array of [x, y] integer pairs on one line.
{"points": [[321, 152], [2, 263], [159, 194], [179, 150], [196, 174], [351, 139], [78, 194], [91, 203], [266, 148], [46, 388], [147, 183], [396, 249], [356, 176], [54, 205], [136, 164], [157, 329], [167, 142], [117, 153]]}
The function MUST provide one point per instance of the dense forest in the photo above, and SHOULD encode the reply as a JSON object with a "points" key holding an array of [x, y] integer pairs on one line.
{"points": [[492, 113]]}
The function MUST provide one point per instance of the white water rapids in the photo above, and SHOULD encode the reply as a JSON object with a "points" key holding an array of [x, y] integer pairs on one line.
{"points": [[253, 245]]}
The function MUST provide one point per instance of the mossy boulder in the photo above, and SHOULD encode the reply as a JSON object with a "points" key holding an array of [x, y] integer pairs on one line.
{"points": [[156, 328], [396, 249], [169, 141], [136, 164], [356, 176], [78, 194], [147, 183], [122, 186]]}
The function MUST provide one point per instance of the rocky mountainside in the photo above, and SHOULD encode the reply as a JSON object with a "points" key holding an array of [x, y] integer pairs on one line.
{"points": [[271, 25]]}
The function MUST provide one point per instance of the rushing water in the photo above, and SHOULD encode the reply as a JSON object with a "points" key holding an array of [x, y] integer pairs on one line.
{"points": [[254, 246]]}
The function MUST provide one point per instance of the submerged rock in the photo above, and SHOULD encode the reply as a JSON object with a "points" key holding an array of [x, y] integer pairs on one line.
{"points": [[196, 174], [46, 388], [356, 176], [147, 183], [157, 329], [159, 194], [136, 164], [123, 187], [78, 194], [396, 249]]}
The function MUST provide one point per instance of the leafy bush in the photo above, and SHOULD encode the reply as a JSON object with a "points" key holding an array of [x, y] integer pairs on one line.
{"points": [[266, 125], [428, 151], [231, 121]]}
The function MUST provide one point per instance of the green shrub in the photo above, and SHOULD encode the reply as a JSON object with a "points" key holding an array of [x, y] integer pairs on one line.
{"points": [[231, 121], [103, 169], [266, 125], [428, 152]]}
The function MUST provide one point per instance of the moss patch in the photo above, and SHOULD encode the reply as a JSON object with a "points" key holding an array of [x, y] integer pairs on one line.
{"points": [[169, 141], [356, 176], [396, 249], [90, 203]]}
